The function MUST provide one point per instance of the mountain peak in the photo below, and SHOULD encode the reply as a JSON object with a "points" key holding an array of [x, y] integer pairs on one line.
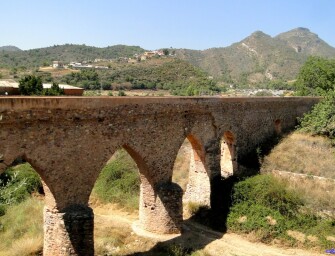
{"points": [[302, 40], [259, 34], [298, 32], [301, 29]]}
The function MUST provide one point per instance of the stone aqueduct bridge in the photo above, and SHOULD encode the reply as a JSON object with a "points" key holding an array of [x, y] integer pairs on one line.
{"points": [[69, 140]]}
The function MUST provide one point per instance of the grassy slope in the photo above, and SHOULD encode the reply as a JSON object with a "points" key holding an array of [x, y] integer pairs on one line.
{"points": [[21, 228]]}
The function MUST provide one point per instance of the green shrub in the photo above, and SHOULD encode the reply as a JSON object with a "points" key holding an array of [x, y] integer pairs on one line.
{"points": [[31, 85], [121, 93], [321, 120], [55, 90], [268, 191], [266, 206], [119, 182], [263, 94], [17, 184], [267, 222]]}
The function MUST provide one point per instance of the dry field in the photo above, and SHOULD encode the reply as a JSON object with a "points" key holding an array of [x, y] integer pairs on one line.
{"points": [[309, 155], [302, 153], [57, 72]]}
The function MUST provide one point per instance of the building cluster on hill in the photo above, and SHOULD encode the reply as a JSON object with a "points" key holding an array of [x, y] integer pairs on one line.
{"points": [[88, 64]]}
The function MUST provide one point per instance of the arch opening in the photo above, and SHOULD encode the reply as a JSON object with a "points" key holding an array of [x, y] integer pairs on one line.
{"points": [[115, 195], [227, 159], [191, 174], [22, 199]]}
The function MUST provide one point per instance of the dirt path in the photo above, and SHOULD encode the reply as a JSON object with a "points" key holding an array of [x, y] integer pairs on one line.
{"points": [[195, 236]]}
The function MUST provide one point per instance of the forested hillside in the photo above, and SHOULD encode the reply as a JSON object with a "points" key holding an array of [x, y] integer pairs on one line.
{"points": [[177, 76], [65, 53]]}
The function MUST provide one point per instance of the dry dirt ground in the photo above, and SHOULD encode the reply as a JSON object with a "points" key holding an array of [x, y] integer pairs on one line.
{"points": [[114, 236]]}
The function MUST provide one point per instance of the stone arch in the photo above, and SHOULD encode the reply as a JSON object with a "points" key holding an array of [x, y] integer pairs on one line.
{"points": [[228, 154], [156, 200], [132, 154], [138, 159]]}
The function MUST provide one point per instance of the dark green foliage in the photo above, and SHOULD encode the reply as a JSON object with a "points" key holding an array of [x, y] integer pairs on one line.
{"points": [[121, 93], [166, 51], [16, 184], [268, 191], [316, 77], [263, 204], [119, 182], [256, 220], [55, 90], [87, 79], [31, 85], [321, 120], [106, 86]]}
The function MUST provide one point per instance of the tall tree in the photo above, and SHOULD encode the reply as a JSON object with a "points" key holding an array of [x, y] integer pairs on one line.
{"points": [[31, 85], [316, 77]]}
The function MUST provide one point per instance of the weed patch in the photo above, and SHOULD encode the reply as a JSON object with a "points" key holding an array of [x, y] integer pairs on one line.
{"points": [[21, 228], [266, 206]]}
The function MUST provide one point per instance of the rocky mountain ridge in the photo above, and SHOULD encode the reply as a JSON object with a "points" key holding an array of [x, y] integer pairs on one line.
{"points": [[258, 58]]}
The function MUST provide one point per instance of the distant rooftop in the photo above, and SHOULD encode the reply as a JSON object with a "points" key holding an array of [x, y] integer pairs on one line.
{"points": [[12, 87], [8, 83]]}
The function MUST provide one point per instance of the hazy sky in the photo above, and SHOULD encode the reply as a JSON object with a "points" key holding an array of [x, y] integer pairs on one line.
{"points": [[154, 24]]}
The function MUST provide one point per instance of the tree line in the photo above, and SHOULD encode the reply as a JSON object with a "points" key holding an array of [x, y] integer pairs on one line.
{"points": [[317, 78]]}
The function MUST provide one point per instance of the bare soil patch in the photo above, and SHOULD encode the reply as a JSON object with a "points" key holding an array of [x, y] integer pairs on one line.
{"points": [[114, 236]]}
